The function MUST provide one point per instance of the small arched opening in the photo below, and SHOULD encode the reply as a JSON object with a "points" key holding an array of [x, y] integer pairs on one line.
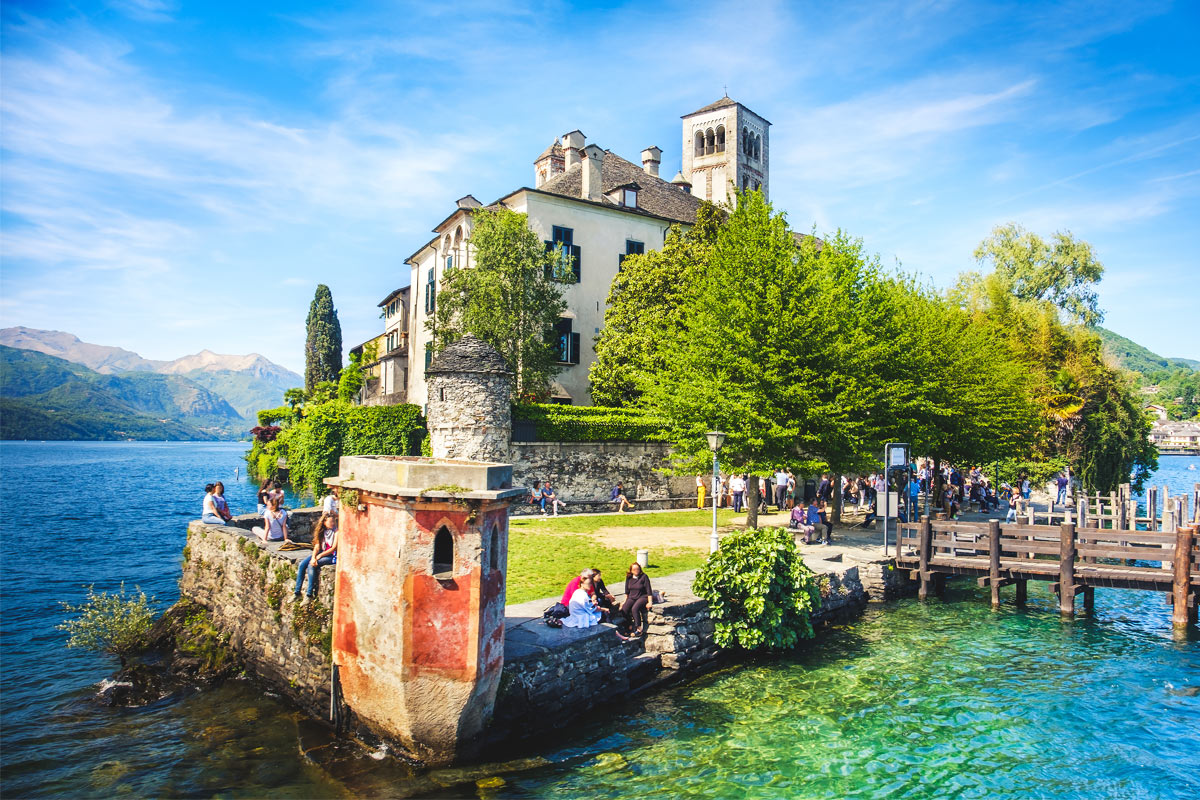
{"points": [[757, 146], [720, 138], [443, 554], [493, 541], [699, 143], [710, 142]]}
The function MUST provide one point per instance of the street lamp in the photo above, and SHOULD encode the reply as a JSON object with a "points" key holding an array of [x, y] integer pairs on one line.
{"points": [[715, 440]]}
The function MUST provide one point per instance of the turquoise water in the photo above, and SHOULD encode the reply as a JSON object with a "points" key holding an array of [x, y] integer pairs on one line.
{"points": [[945, 699]]}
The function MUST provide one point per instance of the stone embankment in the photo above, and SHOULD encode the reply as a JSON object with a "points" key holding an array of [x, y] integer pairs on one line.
{"points": [[550, 675]]}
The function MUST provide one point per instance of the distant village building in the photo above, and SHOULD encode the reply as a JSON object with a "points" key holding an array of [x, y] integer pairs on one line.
{"points": [[1156, 410], [1170, 436], [385, 377], [600, 208]]}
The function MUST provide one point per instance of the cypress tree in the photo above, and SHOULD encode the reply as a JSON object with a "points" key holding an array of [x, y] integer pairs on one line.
{"points": [[323, 343]]}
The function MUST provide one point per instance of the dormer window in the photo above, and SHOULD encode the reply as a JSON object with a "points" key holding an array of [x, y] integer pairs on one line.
{"points": [[629, 198]]}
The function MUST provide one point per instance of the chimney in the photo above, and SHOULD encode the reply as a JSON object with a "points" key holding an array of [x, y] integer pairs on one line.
{"points": [[651, 158], [573, 146], [593, 170]]}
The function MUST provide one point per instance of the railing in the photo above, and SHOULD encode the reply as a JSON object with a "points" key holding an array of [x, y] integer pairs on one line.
{"points": [[1075, 560]]}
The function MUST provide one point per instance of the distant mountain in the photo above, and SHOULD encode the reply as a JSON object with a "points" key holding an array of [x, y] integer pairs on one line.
{"points": [[45, 397], [248, 383], [1132, 356]]}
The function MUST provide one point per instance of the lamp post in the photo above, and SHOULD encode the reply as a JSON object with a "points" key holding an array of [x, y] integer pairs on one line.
{"points": [[715, 440]]}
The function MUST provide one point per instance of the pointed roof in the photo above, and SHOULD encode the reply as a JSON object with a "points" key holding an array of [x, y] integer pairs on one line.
{"points": [[468, 355], [555, 149], [722, 103]]}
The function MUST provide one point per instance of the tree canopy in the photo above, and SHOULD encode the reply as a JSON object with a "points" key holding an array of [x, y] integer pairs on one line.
{"points": [[510, 298], [323, 342], [1063, 271]]}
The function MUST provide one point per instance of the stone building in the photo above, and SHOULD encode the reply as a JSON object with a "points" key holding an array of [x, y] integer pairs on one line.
{"points": [[385, 377], [599, 208], [469, 412]]}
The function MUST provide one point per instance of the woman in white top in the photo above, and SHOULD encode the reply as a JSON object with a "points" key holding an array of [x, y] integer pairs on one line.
{"points": [[274, 527], [324, 553], [208, 513], [584, 613]]}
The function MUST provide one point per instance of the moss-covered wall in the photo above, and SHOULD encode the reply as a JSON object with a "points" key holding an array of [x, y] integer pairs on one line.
{"points": [[247, 587]]}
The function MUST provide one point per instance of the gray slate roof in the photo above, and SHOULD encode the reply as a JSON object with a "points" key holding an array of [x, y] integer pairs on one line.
{"points": [[468, 355], [722, 103], [656, 197]]}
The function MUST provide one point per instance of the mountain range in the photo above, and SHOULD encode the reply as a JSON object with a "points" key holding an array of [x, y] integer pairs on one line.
{"points": [[96, 391]]}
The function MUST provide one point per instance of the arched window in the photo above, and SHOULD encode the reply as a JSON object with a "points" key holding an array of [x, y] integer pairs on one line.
{"points": [[746, 142], [757, 146], [757, 185], [710, 142], [699, 143], [720, 138], [494, 549], [443, 554], [745, 184]]}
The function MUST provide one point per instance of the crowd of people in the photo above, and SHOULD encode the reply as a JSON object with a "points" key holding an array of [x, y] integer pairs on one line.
{"points": [[586, 601]]}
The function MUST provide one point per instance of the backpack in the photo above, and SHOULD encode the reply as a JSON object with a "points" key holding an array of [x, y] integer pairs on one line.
{"points": [[554, 613]]}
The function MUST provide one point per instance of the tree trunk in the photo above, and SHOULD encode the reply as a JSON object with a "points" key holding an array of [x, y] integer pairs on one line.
{"points": [[836, 517], [752, 501]]}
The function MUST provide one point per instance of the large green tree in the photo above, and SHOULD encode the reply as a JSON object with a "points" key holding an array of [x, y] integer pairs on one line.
{"points": [[323, 343], [645, 301], [510, 297], [1063, 271]]}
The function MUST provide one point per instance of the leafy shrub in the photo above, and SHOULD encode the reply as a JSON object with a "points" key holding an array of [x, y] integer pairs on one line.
{"points": [[110, 623], [268, 417], [759, 591], [559, 423], [265, 433], [312, 445]]}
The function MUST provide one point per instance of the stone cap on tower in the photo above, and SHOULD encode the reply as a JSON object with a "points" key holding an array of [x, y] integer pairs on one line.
{"points": [[469, 355]]}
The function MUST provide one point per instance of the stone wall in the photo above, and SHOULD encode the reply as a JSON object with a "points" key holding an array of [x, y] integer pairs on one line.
{"points": [[247, 587], [585, 472]]}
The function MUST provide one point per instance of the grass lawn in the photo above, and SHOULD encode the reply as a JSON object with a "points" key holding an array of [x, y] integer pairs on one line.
{"points": [[540, 564], [544, 553], [588, 524]]}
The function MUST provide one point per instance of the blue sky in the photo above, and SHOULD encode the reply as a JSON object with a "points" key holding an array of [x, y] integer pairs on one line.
{"points": [[181, 175]]}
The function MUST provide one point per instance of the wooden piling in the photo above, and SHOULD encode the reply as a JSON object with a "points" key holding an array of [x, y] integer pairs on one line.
{"points": [[926, 543], [1066, 570], [1183, 611], [994, 560], [1122, 510], [1022, 592], [1152, 507], [1089, 599], [1082, 513]]}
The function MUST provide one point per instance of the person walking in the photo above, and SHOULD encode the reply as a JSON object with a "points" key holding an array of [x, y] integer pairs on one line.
{"points": [[700, 491], [781, 482], [1061, 481]]}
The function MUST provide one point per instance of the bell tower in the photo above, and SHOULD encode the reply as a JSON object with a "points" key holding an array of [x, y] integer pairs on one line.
{"points": [[725, 146]]}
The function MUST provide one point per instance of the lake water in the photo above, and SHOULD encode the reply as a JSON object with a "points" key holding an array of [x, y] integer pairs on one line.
{"points": [[912, 700]]}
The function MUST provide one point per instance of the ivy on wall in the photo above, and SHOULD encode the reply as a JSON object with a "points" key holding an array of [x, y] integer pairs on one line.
{"points": [[311, 444]]}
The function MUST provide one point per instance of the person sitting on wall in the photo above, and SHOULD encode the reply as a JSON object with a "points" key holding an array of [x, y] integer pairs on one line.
{"points": [[639, 598], [823, 516], [208, 513], [549, 499], [584, 612], [797, 521], [574, 584], [220, 504], [604, 598], [812, 518], [324, 553], [274, 527], [618, 496]]}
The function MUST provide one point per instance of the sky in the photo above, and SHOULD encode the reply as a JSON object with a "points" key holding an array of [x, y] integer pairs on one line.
{"points": [[181, 175]]}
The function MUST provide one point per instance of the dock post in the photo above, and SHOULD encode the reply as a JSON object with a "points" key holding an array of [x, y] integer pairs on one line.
{"points": [[923, 558], [1091, 524], [1115, 505], [1152, 507], [1122, 509], [1022, 592], [1168, 519], [1066, 571], [1089, 599], [994, 560], [1183, 611], [1082, 514]]}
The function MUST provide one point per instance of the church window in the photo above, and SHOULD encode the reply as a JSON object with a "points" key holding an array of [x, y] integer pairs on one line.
{"points": [[570, 267], [443, 554], [699, 143], [720, 138]]}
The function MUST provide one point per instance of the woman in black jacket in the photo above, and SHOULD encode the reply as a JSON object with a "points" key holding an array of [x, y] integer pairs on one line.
{"points": [[639, 597]]}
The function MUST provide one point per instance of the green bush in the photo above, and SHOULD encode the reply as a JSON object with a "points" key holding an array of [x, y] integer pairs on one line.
{"points": [[312, 445], [110, 623], [1039, 472], [559, 423], [759, 591], [276, 416]]}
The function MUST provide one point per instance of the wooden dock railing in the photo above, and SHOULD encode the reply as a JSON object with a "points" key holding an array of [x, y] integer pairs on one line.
{"points": [[1073, 560]]}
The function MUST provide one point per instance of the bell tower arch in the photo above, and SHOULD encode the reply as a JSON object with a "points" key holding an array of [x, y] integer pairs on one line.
{"points": [[726, 146]]}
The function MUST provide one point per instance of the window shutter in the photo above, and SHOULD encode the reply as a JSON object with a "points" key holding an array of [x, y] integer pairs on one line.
{"points": [[574, 354], [576, 262]]}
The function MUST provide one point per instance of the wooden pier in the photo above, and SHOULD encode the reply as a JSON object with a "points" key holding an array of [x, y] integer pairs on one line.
{"points": [[1074, 560]]}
